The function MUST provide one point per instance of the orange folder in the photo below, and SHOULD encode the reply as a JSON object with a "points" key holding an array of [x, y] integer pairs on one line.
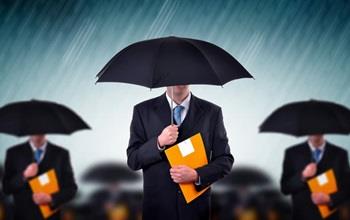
{"points": [[45, 183], [190, 152], [325, 183]]}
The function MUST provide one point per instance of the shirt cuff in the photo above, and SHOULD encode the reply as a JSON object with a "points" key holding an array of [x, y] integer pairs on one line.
{"points": [[159, 147], [198, 182]]}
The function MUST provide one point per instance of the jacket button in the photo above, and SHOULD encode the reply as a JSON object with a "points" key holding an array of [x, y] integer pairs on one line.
{"points": [[179, 191]]}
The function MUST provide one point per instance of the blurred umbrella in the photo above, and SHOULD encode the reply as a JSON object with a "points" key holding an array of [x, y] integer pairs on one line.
{"points": [[172, 61], [1, 173], [245, 177], [110, 173], [39, 117], [307, 118]]}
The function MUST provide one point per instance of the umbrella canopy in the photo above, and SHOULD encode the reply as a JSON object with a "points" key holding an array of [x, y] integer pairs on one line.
{"points": [[172, 61], [245, 176], [39, 117], [110, 173], [308, 118]]}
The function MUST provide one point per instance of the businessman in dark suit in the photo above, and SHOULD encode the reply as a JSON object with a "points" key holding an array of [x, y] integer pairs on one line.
{"points": [[150, 134], [28, 160], [307, 160]]}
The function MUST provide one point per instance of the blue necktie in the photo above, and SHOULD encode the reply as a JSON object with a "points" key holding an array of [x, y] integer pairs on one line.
{"points": [[37, 155], [317, 155], [177, 114]]}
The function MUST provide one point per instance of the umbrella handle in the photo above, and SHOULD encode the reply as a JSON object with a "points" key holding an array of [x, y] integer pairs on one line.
{"points": [[171, 108]]}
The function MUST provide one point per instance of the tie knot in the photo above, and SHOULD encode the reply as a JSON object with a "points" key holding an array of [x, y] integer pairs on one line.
{"points": [[318, 151], [178, 108]]}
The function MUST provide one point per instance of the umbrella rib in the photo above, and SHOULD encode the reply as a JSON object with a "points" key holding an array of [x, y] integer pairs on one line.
{"points": [[155, 61], [103, 70], [336, 116], [300, 126], [20, 132], [205, 57], [68, 130]]}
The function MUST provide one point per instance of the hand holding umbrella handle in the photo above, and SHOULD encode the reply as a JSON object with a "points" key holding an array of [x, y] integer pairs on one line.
{"points": [[168, 136], [31, 171], [309, 171]]}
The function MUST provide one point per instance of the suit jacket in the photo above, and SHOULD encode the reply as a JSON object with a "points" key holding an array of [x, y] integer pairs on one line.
{"points": [[17, 159], [295, 160], [162, 197]]}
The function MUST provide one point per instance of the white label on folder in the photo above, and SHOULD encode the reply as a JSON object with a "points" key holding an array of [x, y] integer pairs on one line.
{"points": [[44, 179], [322, 179], [186, 147]]}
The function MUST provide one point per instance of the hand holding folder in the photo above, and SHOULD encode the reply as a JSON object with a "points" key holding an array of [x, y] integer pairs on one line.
{"points": [[325, 183], [190, 152], [45, 183]]}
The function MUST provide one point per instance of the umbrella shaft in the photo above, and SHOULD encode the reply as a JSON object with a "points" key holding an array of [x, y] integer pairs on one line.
{"points": [[172, 104]]}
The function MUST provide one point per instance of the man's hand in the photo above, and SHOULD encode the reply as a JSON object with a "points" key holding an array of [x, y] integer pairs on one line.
{"points": [[183, 174], [309, 171], [319, 198], [31, 171], [168, 136], [42, 198]]}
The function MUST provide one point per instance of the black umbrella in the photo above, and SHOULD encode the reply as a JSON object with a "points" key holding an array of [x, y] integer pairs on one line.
{"points": [[245, 176], [109, 172], [39, 117], [307, 118], [172, 61]]}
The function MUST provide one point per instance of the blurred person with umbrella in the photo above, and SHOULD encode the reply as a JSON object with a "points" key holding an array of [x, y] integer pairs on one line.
{"points": [[112, 201], [249, 193], [37, 155], [314, 156], [109, 173], [175, 63]]}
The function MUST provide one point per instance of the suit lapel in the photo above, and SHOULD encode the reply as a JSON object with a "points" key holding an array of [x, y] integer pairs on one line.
{"points": [[162, 109], [307, 153], [194, 114], [326, 155], [47, 157], [29, 155]]}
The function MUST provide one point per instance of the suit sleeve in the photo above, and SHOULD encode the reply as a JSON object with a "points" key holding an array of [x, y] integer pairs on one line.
{"points": [[13, 180], [68, 187], [343, 180], [141, 152], [291, 181], [222, 160]]}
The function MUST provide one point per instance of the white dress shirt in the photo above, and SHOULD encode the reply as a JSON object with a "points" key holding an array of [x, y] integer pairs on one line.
{"points": [[185, 103], [313, 148], [42, 147]]}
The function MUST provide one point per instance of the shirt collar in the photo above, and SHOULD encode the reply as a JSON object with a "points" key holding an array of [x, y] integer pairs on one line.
{"points": [[313, 148], [42, 147], [185, 103]]}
